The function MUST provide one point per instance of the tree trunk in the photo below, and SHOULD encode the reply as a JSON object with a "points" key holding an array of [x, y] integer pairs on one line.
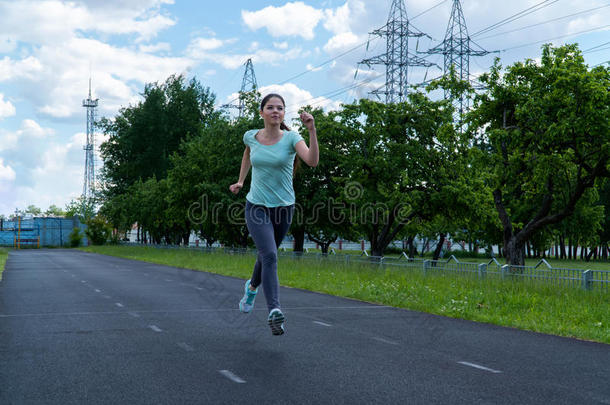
{"points": [[515, 252], [411, 246], [299, 238], [439, 246], [324, 247]]}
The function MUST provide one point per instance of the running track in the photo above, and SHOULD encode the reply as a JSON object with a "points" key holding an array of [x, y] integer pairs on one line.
{"points": [[85, 328]]}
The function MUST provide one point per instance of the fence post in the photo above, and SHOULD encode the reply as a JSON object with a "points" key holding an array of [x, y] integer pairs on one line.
{"points": [[505, 270], [587, 275], [482, 270], [426, 265]]}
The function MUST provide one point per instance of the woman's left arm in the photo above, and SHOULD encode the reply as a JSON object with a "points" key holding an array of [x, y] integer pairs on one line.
{"points": [[311, 154]]}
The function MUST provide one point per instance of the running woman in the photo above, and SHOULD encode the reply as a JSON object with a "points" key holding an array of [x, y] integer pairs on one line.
{"points": [[270, 202]]}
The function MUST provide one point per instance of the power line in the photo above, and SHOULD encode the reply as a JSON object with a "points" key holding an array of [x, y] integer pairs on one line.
{"points": [[430, 9], [544, 22], [558, 37], [595, 48], [337, 92], [325, 62], [514, 17]]}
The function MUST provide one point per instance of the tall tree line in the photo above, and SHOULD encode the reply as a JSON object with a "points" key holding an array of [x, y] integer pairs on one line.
{"points": [[526, 169]]}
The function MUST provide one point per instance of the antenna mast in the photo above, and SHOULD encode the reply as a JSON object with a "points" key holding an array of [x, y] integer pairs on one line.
{"points": [[89, 180]]}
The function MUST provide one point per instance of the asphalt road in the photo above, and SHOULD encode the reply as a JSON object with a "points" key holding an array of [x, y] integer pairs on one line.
{"points": [[84, 328]]}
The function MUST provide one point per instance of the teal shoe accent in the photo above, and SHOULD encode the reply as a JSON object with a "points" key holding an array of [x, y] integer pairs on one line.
{"points": [[276, 321], [247, 302]]}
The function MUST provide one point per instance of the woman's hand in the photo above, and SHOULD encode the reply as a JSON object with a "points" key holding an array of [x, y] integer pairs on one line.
{"points": [[236, 187], [308, 121]]}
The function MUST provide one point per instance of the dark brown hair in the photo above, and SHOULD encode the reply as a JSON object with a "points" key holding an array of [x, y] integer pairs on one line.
{"points": [[264, 101], [283, 126]]}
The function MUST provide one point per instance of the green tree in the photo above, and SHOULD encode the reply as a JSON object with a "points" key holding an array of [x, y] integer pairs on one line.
{"points": [[34, 210], [54, 211], [317, 191], [400, 163], [83, 208], [143, 137], [547, 125]]}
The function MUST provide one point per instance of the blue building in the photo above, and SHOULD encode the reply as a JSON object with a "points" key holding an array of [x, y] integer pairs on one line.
{"points": [[43, 232]]}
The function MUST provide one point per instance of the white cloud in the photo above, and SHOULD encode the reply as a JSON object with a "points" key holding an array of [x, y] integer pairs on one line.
{"points": [[233, 61], [7, 109], [6, 173], [198, 47], [153, 48], [37, 21], [281, 45], [340, 19], [292, 19], [311, 68], [341, 42], [26, 68]]}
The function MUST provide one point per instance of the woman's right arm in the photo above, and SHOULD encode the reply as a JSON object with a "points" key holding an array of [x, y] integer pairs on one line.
{"points": [[243, 172]]}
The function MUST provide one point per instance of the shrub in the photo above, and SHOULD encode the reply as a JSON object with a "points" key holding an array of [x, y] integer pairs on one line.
{"points": [[76, 238], [98, 230]]}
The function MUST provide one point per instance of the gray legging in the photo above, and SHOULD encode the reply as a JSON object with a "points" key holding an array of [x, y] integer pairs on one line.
{"points": [[267, 226]]}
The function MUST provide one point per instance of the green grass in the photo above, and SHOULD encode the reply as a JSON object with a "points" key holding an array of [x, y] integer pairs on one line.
{"points": [[564, 311], [3, 257]]}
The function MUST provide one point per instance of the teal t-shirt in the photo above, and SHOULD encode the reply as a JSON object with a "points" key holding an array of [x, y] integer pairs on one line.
{"points": [[272, 167]]}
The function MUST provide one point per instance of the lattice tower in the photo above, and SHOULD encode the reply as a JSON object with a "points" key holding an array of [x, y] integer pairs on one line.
{"points": [[89, 181], [397, 57]]}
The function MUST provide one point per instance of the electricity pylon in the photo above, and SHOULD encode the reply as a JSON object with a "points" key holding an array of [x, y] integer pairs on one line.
{"points": [[89, 181], [457, 48], [248, 84], [397, 58]]}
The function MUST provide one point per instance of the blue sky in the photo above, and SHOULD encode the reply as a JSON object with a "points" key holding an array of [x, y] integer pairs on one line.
{"points": [[48, 50]]}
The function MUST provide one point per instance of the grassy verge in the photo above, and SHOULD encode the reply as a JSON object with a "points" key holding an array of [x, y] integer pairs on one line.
{"points": [[563, 311], [3, 257]]}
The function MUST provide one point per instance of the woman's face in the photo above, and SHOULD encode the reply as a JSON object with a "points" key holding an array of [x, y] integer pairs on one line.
{"points": [[273, 111]]}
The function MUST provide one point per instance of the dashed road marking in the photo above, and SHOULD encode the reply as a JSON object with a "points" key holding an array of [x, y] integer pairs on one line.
{"points": [[83, 281], [118, 304], [232, 376], [98, 291], [107, 296], [185, 347], [155, 328], [135, 315], [465, 363], [379, 339], [169, 280], [322, 323]]}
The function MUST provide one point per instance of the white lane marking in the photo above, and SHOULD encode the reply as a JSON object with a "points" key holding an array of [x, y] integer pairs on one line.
{"points": [[185, 347], [98, 291], [135, 315], [118, 304], [155, 328], [199, 288], [83, 281], [179, 311], [232, 376], [322, 323], [169, 280], [385, 340], [465, 363], [107, 296]]}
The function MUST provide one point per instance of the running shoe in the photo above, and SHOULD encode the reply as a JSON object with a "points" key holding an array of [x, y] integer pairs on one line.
{"points": [[247, 302], [276, 321]]}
